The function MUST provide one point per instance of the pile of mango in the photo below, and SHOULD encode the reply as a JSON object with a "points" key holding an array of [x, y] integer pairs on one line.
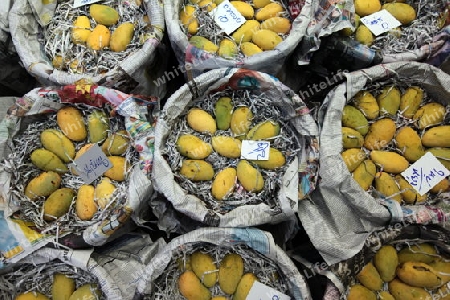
{"points": [[231, 125], [414, 272], [267, 24], [387, 130], [60, 147]]}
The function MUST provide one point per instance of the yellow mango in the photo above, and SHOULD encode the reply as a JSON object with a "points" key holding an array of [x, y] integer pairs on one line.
{"points": [[231, 270], [409, 143], [386, 185], [58, 203], [70, 121], [276, 160], [209, 5], [422, 252], [403, 12], [386, 261], [224, 183], [85, 205], [56, 142], [389, 100], [188, 19], [353, 157], [438, 136], [99, 38], [364, 35], [354, 118], [410, 101], [203, 43], [223, 109], [441, 187], [191, 287], [260, 3], [385, 295], [366, 7], [117, 143], [81, 30], [193, 147], [119, 170], [62, 286], [227, 48], [244, 286], [249, 49], [197, 170], [58, 62], [367, 104], [347, 31], [201, 121], [380, 134], [402, 291], [266, 39], [409, 194], [370, 278], [203, 266], [273, 9], [42, 185], [121, 37], [47, 161], [359, 292], [277, 24], [389, 161], [351, 138], [249, 177], [219, 298], [442, 269], [98, 126], [264, 130], [245, 9], [79, 153], [241, 119], [226, 146], [103, 14], [245, 32], [364, 174], [86, 291], [418, 274], [103, 192], [442, 154], [429, 114], [31, 296]]}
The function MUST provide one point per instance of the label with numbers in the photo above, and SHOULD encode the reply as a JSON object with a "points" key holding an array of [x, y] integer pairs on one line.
{"points": [[227, 17], [380, 22], [78, 3], [260, 291], [255, 150], [425, 173], [92, 164]]}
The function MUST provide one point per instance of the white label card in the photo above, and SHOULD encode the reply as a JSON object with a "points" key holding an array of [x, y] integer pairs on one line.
{"points": [[260, 291], [78, 3], [425, 173], [380, 22], [92, 164], [255, 150], [227, 17]]}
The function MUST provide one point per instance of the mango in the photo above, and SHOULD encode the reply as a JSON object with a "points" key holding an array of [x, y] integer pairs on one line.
{"points": [[403, 12], [31, 296], [276, 160], [47, 161], [364, 174], [58, 203], [409, 194], [99, 38], [402, 291], [98, 126], [203, 43], [364, 35], [380, 134], [103, 192], [260, 3], [62, 286], [121, 37], [366, 7], [201, 121], [188, 19], [191, 287], [367, 104], [385, 295], [409, 143], [245, 32], [81, 30], [249, 177], [249, 49], [204, 267], [86, 291], [219, 298], [197, 170], [266, 39], [244, 286], [273, 9], [226, 146], [193, 147], [223, 109], [241, 120], [389, 161], [231, 269], [410, 101], [85, 205], [353, 157], [224, 183], [264, 130], [56, 142], [351, 138], [429, 115], [43, 185], [438, 136], [277, 24], [386, 262], [422, 252], [79, 153], [58, 61], [209, 5], [442, 154], [386, 185], [442, 269], [227, 49], [359, 292], [120, 168], [245, 9], [418, 274], [71, 122], [347, 31], [441, 187], [117, 143], [370, 278], [354, 118], [103, 14], [389, 100]]}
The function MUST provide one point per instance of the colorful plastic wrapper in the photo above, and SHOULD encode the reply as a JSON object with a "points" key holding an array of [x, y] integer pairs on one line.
{"points": [[268, 101], [79, 225]]}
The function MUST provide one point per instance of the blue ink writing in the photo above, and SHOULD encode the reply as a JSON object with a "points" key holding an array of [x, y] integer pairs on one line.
{"points": [[261, 147], [228, 10], [89, 168]]}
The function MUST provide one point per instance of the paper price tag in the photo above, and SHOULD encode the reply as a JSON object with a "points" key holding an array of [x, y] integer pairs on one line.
{"points": [[78, 3], [92, 164], [255, 150], [425, 173], [260, 291], [227, 17], [380, 22]]}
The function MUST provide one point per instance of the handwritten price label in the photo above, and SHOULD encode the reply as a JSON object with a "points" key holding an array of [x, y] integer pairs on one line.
{"points": [[260, 291], [255, 150], [380, 22], [227, 17], [92, 164], [425, 173], [78, 3]]}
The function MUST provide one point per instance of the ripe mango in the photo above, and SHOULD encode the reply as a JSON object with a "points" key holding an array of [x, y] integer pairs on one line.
{"points": [[260, 3], [70, 121], [264, 130], [403, 12], [31, 296], [441, 186], [364, 174], [241, 119], [197, 170], [79, 153], [402, 291], [203, 43], [366, 7], [418, 274], [245, 32], [266, 39], [223, 109], [98, 126], [389, 161], [429, 114], [385, 295], [191, 287], [354, 118], [244, 286], [249, 49], [442, 269], [188, 19], [423, 252], [351, 138], [86, 291], [116, 144], [43, 185], [359, 292], [380, 134], [409, 143], [386, 185], [85, 205], [273, 9], [120, 168], [409, 194], [231, 270], [103, 14], [277, 24], [62, 286], [367, 104], [442, 154], [244, 8], [81, 30], [227, 49], [47, 161], [99, 38], [209, 5], [224, 183], [56, 142], [203, 266], [193, 147], [226, 146], [249, 177], [103, 192], [410, 101], [370, 278], [438, 136], [58, 203], [219, 298], [276, 160], [386, 262], [201, 121], [353, 157], [364, 35], [121, 37], [389, 100]]}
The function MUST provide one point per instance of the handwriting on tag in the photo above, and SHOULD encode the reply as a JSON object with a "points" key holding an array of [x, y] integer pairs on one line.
{"points": [[78, 3], [380, 22], [255, 150], [92, 164], [260, 291], [425, 173], [227, 17]]}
